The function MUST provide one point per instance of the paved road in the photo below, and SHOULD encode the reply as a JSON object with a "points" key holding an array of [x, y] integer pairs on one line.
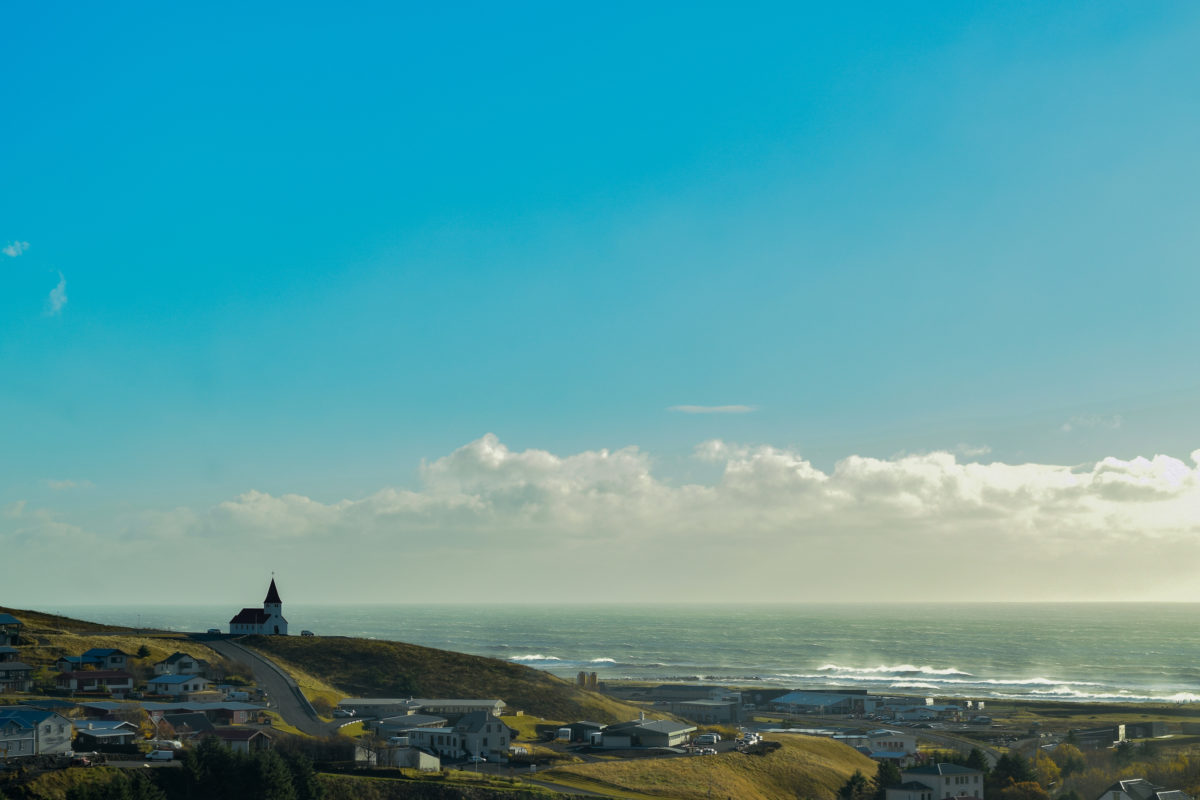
{"points": [[286, 697]]}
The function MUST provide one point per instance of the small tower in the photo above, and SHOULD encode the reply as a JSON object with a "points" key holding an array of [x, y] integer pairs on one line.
{"points": [[273, 609]]}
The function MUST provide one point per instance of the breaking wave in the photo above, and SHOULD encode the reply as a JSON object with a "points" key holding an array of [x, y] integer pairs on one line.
{"points": [[899, 669]]}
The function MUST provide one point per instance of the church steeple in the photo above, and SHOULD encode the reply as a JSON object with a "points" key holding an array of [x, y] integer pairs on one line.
{"points": [[272, 596]]}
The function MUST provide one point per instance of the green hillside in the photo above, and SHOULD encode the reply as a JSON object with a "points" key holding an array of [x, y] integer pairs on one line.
{"points": [[373, 668]]}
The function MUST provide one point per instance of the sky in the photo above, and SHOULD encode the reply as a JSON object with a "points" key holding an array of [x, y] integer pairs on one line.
{"points": [[783, 302]]}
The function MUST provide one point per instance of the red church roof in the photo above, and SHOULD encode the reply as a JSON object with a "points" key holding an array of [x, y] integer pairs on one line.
{"points": [[273, 594]]}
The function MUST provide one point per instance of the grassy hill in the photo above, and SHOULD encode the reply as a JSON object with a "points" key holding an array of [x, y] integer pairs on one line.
{"points": [[36, 622], [806, 767], [373, 668]]}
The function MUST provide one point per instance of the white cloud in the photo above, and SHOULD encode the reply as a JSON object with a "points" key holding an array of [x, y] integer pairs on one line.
{"points": [[63, 485], [14, 249], [58, 297], [772, 526], [1092, 421], [712, 409], [972, 451]]}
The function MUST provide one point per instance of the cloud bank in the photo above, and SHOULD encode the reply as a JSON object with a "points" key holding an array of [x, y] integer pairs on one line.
{"points": [[58, 297], [773, 526], [712, 409]]}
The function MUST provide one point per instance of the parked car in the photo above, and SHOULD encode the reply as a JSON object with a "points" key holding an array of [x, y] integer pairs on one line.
{"points": [[343, 712], [160, 755], [477, 760], [215, 630], [307, 633]]}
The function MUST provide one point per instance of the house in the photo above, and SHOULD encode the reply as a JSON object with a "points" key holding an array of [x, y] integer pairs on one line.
{"points": [[10, 629], [8, 653], [476, 733], [815, 701], [16, 677], [266, 620], [646, 733], [242, 740], [944, 781], [180, 664], [33, 732], [106, 658], [582, 731], [1141, 789], [910, 790], [178, 685], [95, 734], [189, 724], [116, 682]]}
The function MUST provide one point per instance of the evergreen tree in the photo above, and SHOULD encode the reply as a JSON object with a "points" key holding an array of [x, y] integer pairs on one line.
{"points": [[977, 759], [304, 777], [887, 774], [272, 780], [856, 787]]}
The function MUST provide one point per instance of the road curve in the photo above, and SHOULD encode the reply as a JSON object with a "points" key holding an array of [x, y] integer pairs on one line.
{"points": [[285, 694]]}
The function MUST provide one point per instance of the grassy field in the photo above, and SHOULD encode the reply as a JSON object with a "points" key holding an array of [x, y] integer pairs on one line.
{"points": [[373, 668], [805, 767]]}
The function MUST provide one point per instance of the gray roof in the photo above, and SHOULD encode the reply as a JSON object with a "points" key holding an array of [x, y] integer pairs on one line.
{"points": [[9, 619], [941, 769], [13, 666], [404, 721], [474, 721], [6, 649]]}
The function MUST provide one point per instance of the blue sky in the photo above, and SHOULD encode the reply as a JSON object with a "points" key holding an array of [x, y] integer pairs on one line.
{"points": [[304, 251]]}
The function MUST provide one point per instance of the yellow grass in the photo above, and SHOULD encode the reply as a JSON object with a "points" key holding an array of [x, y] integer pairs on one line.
{"points": [[805, 766], [526, 725], [278, 724]]}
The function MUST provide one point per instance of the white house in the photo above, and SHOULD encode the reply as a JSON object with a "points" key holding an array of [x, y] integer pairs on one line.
{"points": [[266, 620], [1141, 789], [178, 685], [944, 781], [30, 731], [476, 733], [180, 664]]}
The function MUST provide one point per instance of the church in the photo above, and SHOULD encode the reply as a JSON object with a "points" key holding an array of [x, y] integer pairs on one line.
{"points": [[268, 619]]}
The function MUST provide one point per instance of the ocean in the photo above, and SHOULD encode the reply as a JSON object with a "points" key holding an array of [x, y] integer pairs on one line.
{"points": [[1065, 651]]}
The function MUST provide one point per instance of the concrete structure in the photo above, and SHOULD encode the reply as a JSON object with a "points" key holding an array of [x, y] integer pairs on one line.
{"points": [[407, 757], [712, 712], [646, 733], [946, 780], [267, 620]]}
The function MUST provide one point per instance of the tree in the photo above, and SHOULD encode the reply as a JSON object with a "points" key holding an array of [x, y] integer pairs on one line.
{"points": [[304, 777], [1024, 790], [1069, 759], [272, 780], [856, 787], [1048, 773], [1011, 768], [977, 759], [143, 652], [888, 774]]}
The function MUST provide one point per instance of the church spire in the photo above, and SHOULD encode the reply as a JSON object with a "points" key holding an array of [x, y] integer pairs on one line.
{"points": [[273, 595]]}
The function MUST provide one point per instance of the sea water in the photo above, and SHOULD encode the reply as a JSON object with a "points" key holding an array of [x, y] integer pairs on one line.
{"points": [[1069, 651]]}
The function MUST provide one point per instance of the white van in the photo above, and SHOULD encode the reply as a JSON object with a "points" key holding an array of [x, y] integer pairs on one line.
{"points": [[707, 738]]}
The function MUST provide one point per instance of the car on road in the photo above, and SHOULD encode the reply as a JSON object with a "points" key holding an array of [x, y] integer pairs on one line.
{"points": [[477, 760], [343, 712], [307, 633], [160, 755], [217, 631]]}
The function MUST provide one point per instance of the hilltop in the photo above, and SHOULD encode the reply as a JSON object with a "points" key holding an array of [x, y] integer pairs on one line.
{"points": [[371, 667], [805, 766]]}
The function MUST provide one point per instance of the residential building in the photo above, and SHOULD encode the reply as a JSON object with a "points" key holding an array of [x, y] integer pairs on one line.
{"points": [[31, 732], [266, 620], [1141, 789], [96, 734], [476, 733], [106, 657], [242, 740], [16, 677], [8, 653], [180, 664], [118, 683], [10, 630], [178, 685], [946, 780]]}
